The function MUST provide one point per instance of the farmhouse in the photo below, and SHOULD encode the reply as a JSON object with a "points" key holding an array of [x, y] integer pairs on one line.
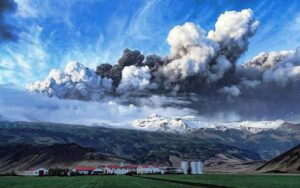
{"points": [[36, 172], [83, 170], [148, 169]]}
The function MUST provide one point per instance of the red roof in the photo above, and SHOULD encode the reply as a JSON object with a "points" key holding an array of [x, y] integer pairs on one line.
{"points": [[118, 166], [84, 168], [147, 166], [131, 166], [144, 166], [112, 166]]}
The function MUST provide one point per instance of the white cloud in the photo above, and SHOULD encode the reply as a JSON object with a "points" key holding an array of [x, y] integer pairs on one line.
{"points": [[134, 79], [26, 9], [231, 90], [75, 82]]}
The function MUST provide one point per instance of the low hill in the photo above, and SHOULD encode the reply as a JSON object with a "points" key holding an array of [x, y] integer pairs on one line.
{"points": [[21, 157], [288, 162]]}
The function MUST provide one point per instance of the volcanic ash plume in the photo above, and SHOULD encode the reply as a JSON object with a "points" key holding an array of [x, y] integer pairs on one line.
{"points": [[194, 56], [200, 70]]}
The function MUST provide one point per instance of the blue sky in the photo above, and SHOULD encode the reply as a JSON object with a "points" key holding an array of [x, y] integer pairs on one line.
{"points": [[53, 32]]}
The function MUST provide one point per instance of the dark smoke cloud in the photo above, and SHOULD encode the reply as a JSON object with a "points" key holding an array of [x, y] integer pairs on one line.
{"points": [[131, 58], [103, 70], [7, 31], [115, 74]]}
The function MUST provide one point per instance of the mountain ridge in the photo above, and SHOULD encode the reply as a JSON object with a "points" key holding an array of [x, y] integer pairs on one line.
{"points": [[182, 125], [288, 162]]}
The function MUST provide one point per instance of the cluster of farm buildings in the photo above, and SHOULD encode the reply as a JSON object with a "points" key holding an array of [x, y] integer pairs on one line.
{"points": [[187, 167]]}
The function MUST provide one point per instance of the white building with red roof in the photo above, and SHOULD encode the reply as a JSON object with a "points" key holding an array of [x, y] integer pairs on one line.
{"points": [[119, 169], [148, 169], [83, 170]]}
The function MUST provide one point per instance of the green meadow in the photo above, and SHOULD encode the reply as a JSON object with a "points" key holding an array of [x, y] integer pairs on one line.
{"points": [[155, 181], [239, 180]]}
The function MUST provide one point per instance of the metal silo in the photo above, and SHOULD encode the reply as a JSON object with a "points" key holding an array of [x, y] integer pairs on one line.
{"points": [[185, 167]]}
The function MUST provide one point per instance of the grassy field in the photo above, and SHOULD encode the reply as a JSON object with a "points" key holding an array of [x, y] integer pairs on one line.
{"points": [[230, 180], [85, 182], [236, 180]]}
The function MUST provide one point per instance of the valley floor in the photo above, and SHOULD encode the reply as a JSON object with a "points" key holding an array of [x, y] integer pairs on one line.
{"points": [[155, 181]]}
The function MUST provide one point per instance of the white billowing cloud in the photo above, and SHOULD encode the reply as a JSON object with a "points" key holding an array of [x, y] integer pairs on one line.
{"points": [[231, 90], [75, 82], [183, 37], [191, 51], [19, 105], [194, 53], [265, 61], [280, 68], [232, 31], [134, 79]]}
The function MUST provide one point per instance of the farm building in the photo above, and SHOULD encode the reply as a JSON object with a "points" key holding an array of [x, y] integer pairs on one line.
{"points": [[119, 169], [148, 169], [36, 172], [83, 170], [192, 167], [170, 170], [98, 171]]}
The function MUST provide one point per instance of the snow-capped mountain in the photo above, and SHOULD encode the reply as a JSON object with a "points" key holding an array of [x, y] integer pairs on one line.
{"points": [[187, 124]]}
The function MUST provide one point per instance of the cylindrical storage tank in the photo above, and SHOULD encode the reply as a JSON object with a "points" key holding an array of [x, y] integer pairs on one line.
{"points": [[193, 167], [184, 166], [196, 167], [200, 167]]}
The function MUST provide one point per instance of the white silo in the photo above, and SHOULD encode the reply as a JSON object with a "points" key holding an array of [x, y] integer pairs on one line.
{"points": [[185, 167]]}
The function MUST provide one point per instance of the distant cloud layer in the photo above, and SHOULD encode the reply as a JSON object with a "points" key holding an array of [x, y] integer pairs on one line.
{"points": [[19, 105]]}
